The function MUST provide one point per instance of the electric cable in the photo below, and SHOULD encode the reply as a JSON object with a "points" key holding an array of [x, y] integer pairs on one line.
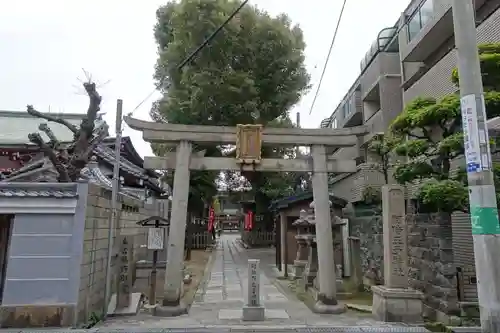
{"points": [[328, 56]]}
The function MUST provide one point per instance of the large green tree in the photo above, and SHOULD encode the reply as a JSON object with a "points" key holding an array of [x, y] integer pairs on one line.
{"points": [[430, 135], [252, 72]]}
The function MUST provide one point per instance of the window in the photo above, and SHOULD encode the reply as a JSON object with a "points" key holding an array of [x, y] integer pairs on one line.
{"points": [[420, 18], [346, 108], [334, 123], [426, 12]]}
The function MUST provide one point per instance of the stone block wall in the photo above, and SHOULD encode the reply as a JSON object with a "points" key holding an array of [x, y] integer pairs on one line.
{"points": [[365, 222], [95, 246], [431, 262]]}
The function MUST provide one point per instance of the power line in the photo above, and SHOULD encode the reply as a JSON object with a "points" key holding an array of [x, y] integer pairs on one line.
{"points": [[328, 55], [212, 36]]}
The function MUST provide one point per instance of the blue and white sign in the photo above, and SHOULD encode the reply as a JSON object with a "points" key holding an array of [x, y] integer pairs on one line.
{"points": [[471, 133]]}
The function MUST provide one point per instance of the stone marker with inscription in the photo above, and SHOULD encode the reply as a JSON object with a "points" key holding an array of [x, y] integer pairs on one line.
{"points": [[395, 301], [124, 302], [253, 310]]}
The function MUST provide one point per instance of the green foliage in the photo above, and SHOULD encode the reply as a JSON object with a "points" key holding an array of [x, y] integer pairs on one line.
{"points": [[372, 195], [489, 57], [443, 196], [430, 133], [381, 148], [252, 72]]}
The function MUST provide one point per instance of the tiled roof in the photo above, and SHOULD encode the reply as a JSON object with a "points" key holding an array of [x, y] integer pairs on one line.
{"points": [[34, 190], [15, 126]]}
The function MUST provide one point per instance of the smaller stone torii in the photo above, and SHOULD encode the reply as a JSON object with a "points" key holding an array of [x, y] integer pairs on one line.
{"points": [[249, 140]]}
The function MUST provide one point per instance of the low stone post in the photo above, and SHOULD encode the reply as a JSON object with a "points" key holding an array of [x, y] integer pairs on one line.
{"points": [[395, 301], [253, 310], [356, 270]]}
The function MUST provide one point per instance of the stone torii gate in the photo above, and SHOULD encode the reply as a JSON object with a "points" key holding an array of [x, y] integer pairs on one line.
{"points": [[248, 140]]}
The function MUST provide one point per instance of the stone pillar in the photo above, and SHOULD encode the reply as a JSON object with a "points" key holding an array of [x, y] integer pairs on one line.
{"points": [[171, 305], [253, 310], [327, 298], [124, 276], [346, 253], [395, 301], [283, 240], [356, 270]]}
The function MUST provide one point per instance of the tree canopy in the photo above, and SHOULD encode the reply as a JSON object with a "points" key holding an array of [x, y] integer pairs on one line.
{"points": [[252, 72], [430, 135]]}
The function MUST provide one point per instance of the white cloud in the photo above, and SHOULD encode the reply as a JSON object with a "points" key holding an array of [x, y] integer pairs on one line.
{"points": [[46, 43]]}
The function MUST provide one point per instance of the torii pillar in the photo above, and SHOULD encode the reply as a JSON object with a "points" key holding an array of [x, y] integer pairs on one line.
{"points": [[171, 305], [327, 297]]}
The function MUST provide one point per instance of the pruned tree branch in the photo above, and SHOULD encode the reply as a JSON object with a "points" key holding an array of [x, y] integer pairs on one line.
{"points": [[37, 139], [49, 117], [68, 160], [48, 131]]}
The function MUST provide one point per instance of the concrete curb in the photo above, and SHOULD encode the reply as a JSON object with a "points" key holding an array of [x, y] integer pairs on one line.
{"points": [[242, 243], [359, 307]]}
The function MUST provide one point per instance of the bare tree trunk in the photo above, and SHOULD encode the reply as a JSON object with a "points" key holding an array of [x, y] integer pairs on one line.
{"points": [[70, 159]]}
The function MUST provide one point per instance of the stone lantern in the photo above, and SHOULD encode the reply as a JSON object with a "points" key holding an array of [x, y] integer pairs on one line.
{"points": [[338, 268], [303, 225]]}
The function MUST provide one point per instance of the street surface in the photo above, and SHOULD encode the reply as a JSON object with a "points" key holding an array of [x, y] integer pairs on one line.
{"points": [[219, 300]]}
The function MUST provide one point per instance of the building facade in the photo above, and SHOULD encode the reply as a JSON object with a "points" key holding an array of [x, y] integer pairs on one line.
{"points": [[413, 58]]}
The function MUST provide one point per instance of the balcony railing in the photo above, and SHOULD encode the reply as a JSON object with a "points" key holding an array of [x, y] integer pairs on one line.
{"points": [[383, 39]]}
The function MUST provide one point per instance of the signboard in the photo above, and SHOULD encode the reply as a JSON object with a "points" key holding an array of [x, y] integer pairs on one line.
{"points": [[248, 143], [156, 238], [474, 136]]}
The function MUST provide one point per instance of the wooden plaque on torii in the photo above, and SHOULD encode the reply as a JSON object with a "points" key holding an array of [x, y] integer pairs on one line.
{"points": [[248, 144]]}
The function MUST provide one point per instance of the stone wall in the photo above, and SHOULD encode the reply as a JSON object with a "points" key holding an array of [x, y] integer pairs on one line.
{"points": [[431, 263], [365, 222], [94, 261]]}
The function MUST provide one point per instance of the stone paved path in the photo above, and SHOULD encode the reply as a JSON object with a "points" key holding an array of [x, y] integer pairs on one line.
{"points": [[219, 302]]}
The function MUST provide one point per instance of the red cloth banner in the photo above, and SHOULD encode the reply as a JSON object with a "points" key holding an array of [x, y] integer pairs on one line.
{"points": [[249, 221], [211, 219]]}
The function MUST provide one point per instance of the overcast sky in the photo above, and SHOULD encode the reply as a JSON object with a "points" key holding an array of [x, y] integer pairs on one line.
{"points": [[45, 45]]}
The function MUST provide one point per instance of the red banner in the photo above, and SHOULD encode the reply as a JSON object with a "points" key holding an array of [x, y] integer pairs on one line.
{"points": [[249, 221], [211, 219]]}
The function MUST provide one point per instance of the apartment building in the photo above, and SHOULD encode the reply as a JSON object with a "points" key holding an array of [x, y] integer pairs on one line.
{"points": [[374, 99], [413, 58]]}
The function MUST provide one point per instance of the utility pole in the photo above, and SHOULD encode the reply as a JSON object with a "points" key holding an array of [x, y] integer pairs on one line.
{"points": [[483, 207], [114, 203]]}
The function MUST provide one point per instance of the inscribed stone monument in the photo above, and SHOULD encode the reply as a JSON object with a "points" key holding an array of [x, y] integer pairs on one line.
{"points": [[395, 301], [124, 274], [253, 311], [395, 239]]}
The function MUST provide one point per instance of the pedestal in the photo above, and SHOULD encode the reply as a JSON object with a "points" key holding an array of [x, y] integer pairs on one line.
{"points": [[170, 310], [253, 313], [397, 305], [299, 267]]}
